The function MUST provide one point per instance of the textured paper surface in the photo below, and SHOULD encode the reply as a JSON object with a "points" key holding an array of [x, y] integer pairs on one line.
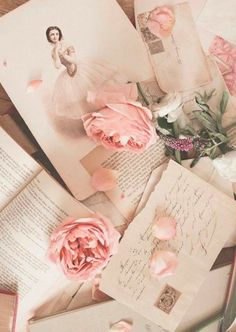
{"points": [[201, 212], [97, 317], [179, 56], [219, 17]]}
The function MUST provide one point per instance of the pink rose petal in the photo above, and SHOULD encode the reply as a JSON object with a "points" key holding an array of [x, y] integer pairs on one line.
{"points": [[97, 294], [104, 179], [34, 85], [163, 263], [164, 228], [121, 326]]}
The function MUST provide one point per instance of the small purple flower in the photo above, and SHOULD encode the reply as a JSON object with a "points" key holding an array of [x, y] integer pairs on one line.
{"points": [[180, 144]]}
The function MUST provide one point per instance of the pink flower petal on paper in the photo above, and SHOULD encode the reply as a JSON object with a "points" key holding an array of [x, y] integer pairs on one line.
{"points": [[163, 263], [121, 326], [34, 85], [104, 179], [164, 228], [97, 294]]}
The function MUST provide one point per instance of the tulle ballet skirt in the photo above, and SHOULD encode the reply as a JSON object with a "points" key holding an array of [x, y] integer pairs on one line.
{"points": [[70, 92]]}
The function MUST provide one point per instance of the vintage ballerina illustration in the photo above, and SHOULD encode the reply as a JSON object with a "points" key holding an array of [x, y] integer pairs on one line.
{"points": [[79, 76]]}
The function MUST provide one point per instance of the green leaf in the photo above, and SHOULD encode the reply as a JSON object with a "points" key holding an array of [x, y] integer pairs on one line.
{"points": [[206, 121], [221, 137], [162, 122], [224, 102], [195, 161], [176, 129], [188, 130], [178, 156], [201, 104]]}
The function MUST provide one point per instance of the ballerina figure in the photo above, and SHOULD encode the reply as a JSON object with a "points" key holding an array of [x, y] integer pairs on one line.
{"points": [[79, 76]]}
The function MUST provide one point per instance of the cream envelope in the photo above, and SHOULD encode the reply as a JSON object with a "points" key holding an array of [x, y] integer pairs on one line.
{"points": [[219, 17], [205, 219], [178, 60]]}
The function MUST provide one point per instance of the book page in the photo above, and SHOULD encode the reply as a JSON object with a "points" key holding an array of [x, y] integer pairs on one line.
{"points": [[201, 213], [17, 168], [103, 46], [26, 224]]}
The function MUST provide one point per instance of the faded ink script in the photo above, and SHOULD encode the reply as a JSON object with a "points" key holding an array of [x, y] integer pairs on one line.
{"points": [[191, 205]]}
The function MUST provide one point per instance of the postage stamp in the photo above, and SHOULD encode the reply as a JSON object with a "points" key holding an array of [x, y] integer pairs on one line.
{"points": [[167, 299]]}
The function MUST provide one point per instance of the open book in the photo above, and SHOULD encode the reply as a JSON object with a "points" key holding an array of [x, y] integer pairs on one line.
{"points": [[32, 204]]}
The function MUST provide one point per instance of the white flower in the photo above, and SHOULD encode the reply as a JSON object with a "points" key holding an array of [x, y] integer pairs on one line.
{"points": [[226, 166], [170, 105]]}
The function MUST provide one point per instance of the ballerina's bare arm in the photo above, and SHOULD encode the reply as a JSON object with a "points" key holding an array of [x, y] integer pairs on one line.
{"points": [[56, 58]]}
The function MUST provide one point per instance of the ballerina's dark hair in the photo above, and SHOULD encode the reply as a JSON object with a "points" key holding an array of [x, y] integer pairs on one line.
{"points": [[53, 28]]}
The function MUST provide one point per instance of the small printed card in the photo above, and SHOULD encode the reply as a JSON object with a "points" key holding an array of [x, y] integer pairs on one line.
{"points": [[8, 307], [205, 220]]}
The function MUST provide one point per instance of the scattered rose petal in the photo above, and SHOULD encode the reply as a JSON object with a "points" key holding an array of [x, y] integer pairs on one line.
{"points": [[104, 179], [163, 263], [34, 85], [164, 228], [97, 294], [121, 326]]}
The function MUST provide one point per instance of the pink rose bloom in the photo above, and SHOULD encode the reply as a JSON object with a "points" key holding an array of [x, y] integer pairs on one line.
{"points": [[83, 247], [121, 127], [163, 263], [161, 21]]}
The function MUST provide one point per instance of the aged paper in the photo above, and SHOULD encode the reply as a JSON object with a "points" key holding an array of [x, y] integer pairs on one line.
{"points": [[201, 213], [97, 317], [133, 170], [26, 224], [219, 17], [206, 171], [201, 308], [17, 169], [103, 44], [180, 55]]}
